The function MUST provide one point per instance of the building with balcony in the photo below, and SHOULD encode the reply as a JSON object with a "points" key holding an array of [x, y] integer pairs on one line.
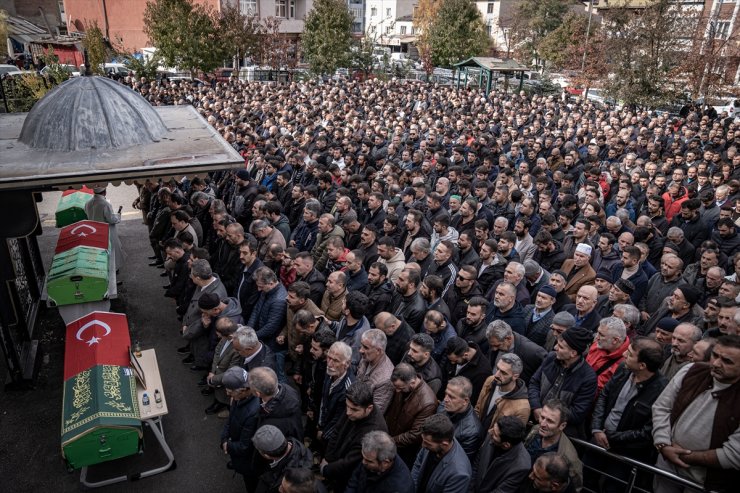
{"points": [[357, 9]]}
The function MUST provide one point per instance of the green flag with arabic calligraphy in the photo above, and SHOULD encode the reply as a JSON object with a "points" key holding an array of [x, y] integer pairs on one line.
{"points": [[100, 417]]}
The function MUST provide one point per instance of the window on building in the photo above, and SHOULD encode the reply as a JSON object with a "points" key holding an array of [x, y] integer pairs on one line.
{"points": [[281, 8], [403, 29], [490, 8], [722, 29], [389, 29], [291, 9], [490, 29], [248, 7], [387, 12], [373, 11]]}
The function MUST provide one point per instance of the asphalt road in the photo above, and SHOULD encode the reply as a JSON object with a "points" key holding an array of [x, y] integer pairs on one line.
{"points": [[30, 455]]}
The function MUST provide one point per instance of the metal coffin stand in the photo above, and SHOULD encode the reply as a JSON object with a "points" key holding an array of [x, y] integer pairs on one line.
{"points": [[151, 416]]}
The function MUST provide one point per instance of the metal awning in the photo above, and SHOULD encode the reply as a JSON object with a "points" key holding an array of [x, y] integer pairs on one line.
{"points": [[502, 65], [190, 147]]}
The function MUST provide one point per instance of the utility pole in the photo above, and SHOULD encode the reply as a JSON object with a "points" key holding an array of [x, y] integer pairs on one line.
{"points": [[588, 33]]}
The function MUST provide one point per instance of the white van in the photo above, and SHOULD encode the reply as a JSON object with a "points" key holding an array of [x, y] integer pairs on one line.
{"points": [[117, 68]]}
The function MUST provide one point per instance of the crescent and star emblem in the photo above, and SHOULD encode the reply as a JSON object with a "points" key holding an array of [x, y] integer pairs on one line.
{"points": [[93, 339], [83, 234]]}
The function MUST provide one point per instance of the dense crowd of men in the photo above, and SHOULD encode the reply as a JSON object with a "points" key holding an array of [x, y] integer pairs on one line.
{"points": [[417, 288]]}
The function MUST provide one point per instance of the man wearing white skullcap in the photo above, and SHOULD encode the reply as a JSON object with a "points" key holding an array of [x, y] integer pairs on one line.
{"points": [[578, 271]]}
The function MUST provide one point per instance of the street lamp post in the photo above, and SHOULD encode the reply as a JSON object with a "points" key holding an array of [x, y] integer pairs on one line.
{"points": [[588, 33]]}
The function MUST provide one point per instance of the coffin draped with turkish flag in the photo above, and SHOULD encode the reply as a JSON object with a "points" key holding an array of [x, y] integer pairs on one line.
{"points": [[100, 412], [79, 269], [71, 206]]}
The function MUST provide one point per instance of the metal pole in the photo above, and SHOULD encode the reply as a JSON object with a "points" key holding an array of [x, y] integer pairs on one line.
{"points": [[588, 33], [3, 95]]}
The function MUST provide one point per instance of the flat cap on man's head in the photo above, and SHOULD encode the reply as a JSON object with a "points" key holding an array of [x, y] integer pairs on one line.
{"points": [[564, 319], [269, 440]]}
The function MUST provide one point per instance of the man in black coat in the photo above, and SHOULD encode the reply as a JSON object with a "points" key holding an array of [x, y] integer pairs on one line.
{"points": [[503, 462], [502, 340], [584, 309], [255, 354], [472, 327], [280, 405], [246, 287], [381, 291], [381, 470], [279, 453], [506, 308], [398, 334], [236, 436], [624, 426], [344, 452], [465, 359], [180, 273], [306, 272], [411, 306]]}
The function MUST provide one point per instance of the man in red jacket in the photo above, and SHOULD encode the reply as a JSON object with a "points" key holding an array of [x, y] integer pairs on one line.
{"points": [[608, 349]]}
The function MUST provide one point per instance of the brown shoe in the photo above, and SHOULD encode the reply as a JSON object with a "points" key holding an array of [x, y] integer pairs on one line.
{"points": [[223, 414]]}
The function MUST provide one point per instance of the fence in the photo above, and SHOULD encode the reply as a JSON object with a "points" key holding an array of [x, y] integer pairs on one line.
{"points": [[635, 468]]}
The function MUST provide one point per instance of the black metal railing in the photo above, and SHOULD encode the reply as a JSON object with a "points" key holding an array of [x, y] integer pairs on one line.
{"points": [[635, 468]]}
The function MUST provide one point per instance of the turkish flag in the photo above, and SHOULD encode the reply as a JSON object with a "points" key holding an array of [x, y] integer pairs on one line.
{"points": [[83, 233], [98, 338]]}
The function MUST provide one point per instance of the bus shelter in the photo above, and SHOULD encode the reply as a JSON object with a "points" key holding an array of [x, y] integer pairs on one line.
{"points": [[488, 69]]}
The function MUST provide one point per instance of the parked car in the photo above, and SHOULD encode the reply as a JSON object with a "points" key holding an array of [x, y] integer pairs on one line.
{"points": [[727, 103], [560, 80], [116, 68], [71, 69], [9, 70], [223, 74]]}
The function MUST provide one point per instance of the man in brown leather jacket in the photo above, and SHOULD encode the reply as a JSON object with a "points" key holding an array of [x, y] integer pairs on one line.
{"points": [[412, 403]]}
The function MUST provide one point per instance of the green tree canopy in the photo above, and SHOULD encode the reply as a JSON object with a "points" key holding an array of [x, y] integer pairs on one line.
{"points": [[557, 47], [458, 32], [95, 48], [186, 34], [533, 20], [326, 36]]}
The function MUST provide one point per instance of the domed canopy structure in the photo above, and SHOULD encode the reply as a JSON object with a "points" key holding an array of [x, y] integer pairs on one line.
{"points": [[91, 113]]}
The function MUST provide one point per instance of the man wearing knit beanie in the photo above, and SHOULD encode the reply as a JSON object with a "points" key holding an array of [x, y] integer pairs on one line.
{"points": [[578, 340], [565, 375]]}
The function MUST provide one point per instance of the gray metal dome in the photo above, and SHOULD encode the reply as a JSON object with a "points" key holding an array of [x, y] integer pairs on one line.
{"points": [[91, 113]]}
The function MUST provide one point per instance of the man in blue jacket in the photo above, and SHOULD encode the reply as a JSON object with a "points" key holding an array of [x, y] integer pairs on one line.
{"points": [[441, 465], [269, 314]]}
